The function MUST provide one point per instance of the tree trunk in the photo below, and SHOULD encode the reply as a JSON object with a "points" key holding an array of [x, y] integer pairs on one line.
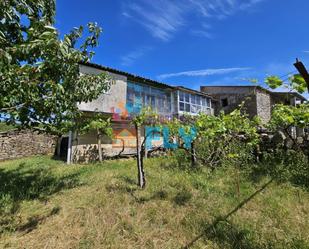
{"points": [[193, 155], [99, 145], [141, 176]]}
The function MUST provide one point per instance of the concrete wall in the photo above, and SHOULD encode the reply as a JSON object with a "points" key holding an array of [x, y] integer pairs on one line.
{"points": [[107, 102], [85, 147], [18, 144]]}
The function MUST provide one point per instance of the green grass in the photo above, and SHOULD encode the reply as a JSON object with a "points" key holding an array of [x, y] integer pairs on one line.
{"points": [[5, 127], [47, 204]]}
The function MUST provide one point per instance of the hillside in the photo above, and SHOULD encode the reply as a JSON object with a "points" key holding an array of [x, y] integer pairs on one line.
{"points": [[47, 204]]}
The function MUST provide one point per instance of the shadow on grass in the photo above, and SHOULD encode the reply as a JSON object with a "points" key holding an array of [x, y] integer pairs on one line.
{"points": [[127, 185], [227, 235], [182, 197], [25, 183], [284, 165], [34, 221], [213, 226]]}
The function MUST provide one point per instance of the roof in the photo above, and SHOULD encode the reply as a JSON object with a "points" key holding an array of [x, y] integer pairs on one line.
{"points": [[296, 94], [128, 75], [144, 80], [193, 91]]}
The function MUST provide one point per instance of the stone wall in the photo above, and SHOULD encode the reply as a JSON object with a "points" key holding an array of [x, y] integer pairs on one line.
{"points": [[234, 96], [263, 101], [22, 143]]}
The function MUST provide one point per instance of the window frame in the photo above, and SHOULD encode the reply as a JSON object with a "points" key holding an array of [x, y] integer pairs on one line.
{"points": [[159, 99], [197, 103]]}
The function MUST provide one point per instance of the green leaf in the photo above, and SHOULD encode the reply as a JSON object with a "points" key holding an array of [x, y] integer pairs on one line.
{"points": [[273, 82]]}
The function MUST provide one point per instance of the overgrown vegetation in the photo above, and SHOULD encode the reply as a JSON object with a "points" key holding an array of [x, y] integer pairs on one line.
{"points": [[51, 205]]}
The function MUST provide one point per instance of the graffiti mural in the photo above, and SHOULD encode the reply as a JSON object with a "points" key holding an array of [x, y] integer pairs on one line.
{"points": [[119, 112], [124, 137], [154, 137], [139, 95], [160, 137]]}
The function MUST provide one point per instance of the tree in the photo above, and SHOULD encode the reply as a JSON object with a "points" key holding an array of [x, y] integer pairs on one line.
{"points": [[39, 72], [289, 160], [211, 139], [98, 123], [284, 117], [146, 117]]}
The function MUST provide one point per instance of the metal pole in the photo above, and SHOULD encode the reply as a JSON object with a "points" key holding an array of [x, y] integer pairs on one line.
{"points": [[69, 148]]}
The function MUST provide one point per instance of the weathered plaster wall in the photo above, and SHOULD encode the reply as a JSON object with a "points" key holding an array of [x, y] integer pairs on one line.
{"points": [[85, 147], [111, 102], [17, 144]]}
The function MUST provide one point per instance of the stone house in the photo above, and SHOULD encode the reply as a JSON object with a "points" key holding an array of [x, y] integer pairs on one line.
{"points": [[258, 100], [127, 96]]}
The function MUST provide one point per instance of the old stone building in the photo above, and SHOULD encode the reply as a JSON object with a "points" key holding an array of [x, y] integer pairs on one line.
{"points": [[258, 100]]}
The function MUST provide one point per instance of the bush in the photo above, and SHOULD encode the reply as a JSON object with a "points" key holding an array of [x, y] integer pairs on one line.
{"points": [[223, 152], [285, 165]]}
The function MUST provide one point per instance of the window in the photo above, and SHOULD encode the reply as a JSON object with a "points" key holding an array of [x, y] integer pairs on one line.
{"points": [[194, 108], [139, 95], [224, 102], [193, 103], [182, 106], [181, 96], [187, 109], [187, 97], [184, 102]]}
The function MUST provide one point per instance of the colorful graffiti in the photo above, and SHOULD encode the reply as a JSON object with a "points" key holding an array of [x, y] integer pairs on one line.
{"points": [[124, 137], [160, 137], [119, 112], [137, 97]]}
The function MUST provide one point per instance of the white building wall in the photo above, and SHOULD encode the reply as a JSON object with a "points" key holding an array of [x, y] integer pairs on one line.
{"points": [[107, 102]]}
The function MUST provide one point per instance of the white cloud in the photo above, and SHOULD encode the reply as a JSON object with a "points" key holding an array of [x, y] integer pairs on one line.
{"points": [[131, 57], [204, 72], [163, 18], [204, 31]]}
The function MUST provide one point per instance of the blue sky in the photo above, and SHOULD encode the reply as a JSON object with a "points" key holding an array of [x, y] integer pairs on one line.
{"points": [[195, 42]]}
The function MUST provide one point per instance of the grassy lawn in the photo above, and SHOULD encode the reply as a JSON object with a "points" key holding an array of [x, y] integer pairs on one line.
{"points": [[47, 204], [5, 127]]}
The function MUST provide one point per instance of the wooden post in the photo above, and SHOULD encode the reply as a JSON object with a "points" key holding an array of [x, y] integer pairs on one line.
{"points": [[141, 178], [302, 71], [145, 144], [193, 155], [99, 145]]}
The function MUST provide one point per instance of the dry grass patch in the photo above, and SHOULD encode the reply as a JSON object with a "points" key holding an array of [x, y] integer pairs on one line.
{"points": [[100, 206]]}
